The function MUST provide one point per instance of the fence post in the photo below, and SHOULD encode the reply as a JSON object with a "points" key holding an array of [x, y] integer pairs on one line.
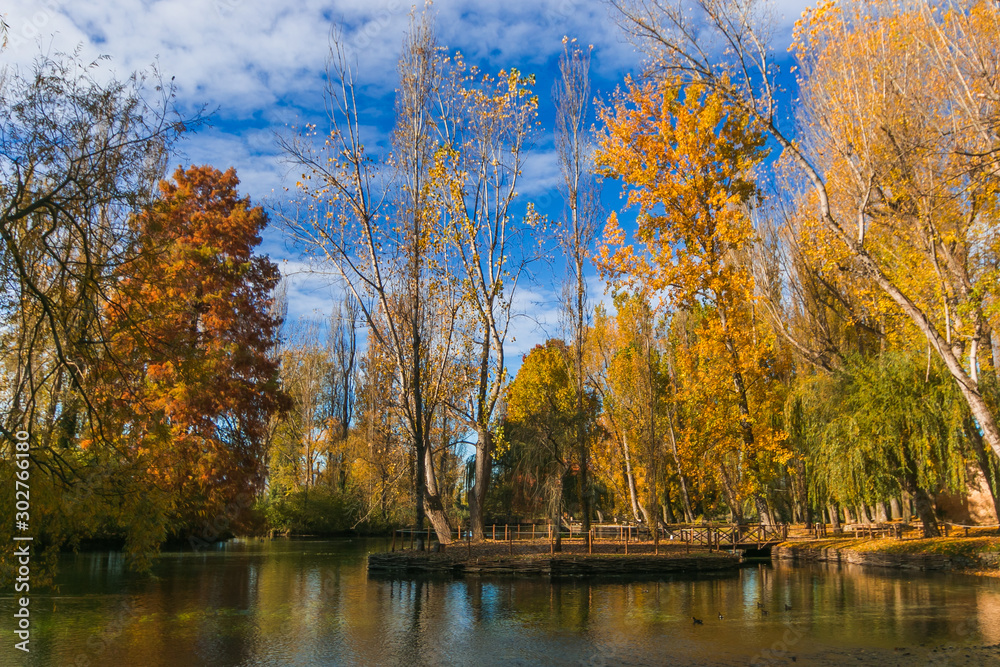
{"points": [[393, 539], [494, 532]]}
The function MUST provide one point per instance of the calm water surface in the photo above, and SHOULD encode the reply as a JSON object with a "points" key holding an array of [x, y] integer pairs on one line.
{"points": [[292, 602]]}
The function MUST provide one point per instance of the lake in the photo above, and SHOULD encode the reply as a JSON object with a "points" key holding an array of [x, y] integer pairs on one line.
{"points": [[311, 602]]}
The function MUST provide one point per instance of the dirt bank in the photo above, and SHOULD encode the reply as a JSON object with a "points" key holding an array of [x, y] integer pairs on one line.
{"points": [[972, 555]]}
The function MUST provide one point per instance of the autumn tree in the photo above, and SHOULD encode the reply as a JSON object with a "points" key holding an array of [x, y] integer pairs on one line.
{"points": [[900, 153], [300, 447], [541, 411], [579, 229], [379, 240], [81, 152], [382, 468], [884, 426], [484, 128], [340, 388], [201, 385], [79, 155], [686, 158], [608, 338], [628, 371]]}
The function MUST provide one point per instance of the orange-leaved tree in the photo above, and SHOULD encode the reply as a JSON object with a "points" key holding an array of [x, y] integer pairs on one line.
{"points": [[900, 106], [192, 335], [686, 159]]}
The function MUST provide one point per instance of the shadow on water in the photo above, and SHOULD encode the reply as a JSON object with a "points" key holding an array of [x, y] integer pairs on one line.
{"points": [[296, 602]]}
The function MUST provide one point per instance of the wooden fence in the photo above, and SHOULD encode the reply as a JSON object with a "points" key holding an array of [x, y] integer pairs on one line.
{"points": [[712, 536]]}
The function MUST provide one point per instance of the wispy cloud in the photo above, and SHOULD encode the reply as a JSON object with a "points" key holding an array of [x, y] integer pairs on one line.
{"points": [[260, 66]]}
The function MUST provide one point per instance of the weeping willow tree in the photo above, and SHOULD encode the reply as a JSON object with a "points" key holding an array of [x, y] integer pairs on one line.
{"points": [[540, 429], [881, 427]]}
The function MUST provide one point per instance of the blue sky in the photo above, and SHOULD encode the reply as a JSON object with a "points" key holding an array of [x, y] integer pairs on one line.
{"points": [[259, 66]]}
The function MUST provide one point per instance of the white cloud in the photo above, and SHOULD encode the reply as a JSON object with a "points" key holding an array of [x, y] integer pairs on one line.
{"points": [[261, 64], [540, 173]]}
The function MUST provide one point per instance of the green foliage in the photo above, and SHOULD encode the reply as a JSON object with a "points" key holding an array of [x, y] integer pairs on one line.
{"points": [[881, 420], [540, 433], [316, 511]]}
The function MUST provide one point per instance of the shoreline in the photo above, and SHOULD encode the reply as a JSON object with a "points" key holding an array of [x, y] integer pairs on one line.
{"points": [[975, 556]]}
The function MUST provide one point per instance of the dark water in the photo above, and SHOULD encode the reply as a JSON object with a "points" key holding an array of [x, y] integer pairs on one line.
{"points": [[311, 603]]}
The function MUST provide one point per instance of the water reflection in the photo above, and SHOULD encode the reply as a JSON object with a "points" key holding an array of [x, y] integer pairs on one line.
{"points": [[312, 603]]}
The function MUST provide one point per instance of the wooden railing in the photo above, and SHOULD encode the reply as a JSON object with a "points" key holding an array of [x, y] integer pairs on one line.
{"points": [[712, 536]]}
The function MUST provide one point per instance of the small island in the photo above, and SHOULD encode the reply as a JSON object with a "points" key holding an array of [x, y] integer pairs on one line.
{"points": [[534, 558]]}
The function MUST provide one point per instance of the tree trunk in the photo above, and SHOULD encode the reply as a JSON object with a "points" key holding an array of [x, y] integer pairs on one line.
{"points": [[731, 499], [802, 494], [763, 512], [895, 508], [834, 511], [987, 465], [630, 479], [484, 469], [881, 515], [555, 503], [421, 489], [435, 509], [648, 518], [685, 499], [583, 486], [923, 504], [862, 512], [668, 511], [925, 510], [583, 491]]}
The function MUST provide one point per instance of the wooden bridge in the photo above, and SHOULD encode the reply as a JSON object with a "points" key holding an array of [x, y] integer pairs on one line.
{"points": [[733, 536]]}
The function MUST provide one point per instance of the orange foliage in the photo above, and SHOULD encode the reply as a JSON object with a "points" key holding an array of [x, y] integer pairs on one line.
{"points": [[192, 334]]}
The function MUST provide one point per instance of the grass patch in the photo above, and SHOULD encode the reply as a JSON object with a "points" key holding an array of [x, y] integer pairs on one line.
{"points": [[968, 547]]}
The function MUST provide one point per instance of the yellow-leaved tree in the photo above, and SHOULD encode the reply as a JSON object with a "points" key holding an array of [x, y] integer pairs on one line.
{"points": [[686, 158], [900, 108]]}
